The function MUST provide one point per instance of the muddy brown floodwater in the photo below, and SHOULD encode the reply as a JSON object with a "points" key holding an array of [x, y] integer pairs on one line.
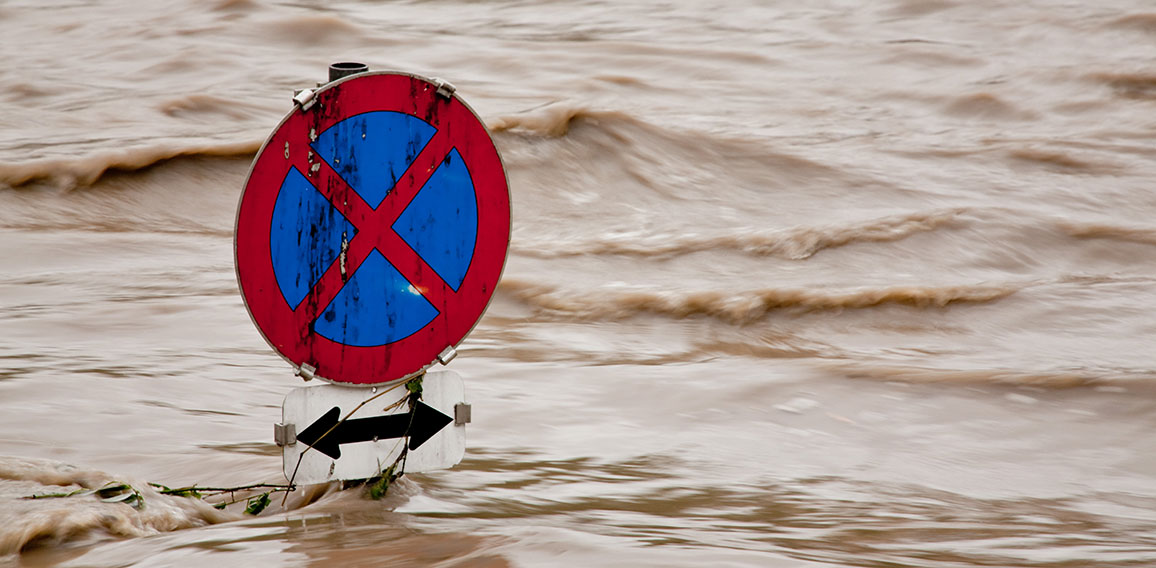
{"points": [[833, 283]]}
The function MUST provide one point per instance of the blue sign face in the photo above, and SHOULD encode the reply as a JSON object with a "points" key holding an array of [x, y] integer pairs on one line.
{"points": [[377, 305]]}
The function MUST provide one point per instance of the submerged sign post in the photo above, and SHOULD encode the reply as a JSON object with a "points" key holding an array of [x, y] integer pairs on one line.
{"points": [[371, 234]]}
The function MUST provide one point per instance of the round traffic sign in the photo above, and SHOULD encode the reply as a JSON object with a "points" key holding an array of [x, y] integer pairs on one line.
{"points": [[372, 229]]}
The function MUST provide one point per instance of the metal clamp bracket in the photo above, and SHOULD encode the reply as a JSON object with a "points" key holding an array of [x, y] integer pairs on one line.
{"points": [[306, 371], [447, 355], [445, 88], [285, 434], [463, 413], [304, 98]]}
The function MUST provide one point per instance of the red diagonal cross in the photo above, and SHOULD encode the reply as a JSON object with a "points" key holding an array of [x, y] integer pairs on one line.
{"points": [[375, 227]]}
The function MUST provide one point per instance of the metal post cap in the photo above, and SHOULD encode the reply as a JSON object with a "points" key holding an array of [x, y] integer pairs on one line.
{"points": [[345, 69]]}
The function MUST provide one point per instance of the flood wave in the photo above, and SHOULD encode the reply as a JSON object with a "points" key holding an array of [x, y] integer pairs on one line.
{"points": [[44, 503], [1141, 235], [27, 523], [735, 307], [794, 244], [552, 120], [1057, 379], [87, 170]]}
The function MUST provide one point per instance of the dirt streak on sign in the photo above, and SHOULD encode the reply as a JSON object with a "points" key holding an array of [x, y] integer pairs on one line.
{"points": [[372, 229]]}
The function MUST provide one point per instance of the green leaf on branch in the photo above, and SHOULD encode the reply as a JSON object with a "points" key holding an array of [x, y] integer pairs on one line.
{"points": [[379, 486], [414, 385], [115, 492], [258, 504]]}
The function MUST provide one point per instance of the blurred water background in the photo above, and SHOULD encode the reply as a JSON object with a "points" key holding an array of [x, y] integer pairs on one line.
{"points": [[833, 283]]}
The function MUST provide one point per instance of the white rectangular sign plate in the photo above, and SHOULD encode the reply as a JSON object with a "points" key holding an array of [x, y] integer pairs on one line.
{"points": [[372, 438]]}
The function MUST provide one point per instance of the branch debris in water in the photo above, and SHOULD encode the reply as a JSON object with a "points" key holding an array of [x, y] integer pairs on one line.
{"points": [[376, 487]]}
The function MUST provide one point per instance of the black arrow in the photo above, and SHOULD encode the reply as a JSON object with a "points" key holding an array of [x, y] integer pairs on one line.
{"points": [[426, 421]]}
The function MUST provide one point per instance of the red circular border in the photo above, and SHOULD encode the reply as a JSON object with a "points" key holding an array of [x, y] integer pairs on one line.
{"points": [[291, 335]]}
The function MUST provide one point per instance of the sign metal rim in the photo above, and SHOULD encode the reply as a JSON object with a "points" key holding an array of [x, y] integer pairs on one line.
{"points": [[241, 197]]}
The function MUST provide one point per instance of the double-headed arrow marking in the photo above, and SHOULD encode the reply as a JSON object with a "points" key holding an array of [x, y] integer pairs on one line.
{"points": [[421, 425]]}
